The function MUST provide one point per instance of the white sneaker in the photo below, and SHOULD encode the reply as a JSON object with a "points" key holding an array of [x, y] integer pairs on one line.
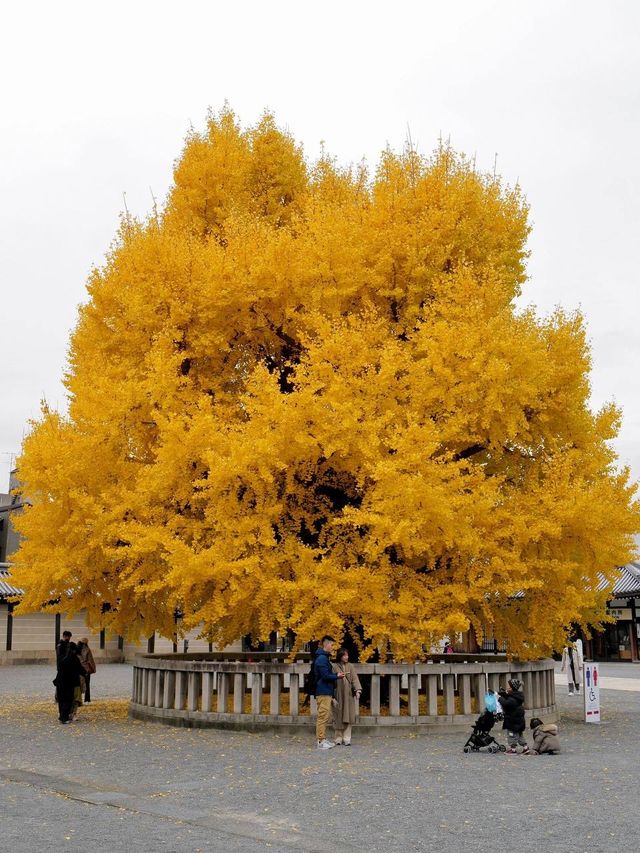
{"points": [[325, 744]]}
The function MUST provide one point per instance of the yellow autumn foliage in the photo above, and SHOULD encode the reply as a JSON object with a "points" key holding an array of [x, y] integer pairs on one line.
{"points": [[303, 398]]}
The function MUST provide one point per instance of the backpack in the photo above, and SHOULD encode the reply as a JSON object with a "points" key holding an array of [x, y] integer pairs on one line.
{"points": [[309, 682]]}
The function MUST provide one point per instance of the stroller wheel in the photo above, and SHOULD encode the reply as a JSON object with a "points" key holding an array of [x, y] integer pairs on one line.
{"points": [[493, 748], [467, 749], [502, 748]]}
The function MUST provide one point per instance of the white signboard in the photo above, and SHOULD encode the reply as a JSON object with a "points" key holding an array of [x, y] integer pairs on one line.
{"points": [[591, 693]]}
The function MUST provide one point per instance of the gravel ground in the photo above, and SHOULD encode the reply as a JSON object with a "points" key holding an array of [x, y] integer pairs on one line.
{"points": [[107, 783]]}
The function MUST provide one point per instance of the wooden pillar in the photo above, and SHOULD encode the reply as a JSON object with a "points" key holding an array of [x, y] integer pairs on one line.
{"points": [[275, 680], [394, 695], [169, 689], [223, 692], [375, 695], [57, 630], [635, 655], [449, 695], [414, 702], [256, 693], [207, 691], [9, 626], [102, 638], [238, 692], [294, 694], [432, 695]]}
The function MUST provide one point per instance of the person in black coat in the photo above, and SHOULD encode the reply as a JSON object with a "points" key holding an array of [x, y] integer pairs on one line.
{"points": [[68, 678], [62, 647], [512, 702]]}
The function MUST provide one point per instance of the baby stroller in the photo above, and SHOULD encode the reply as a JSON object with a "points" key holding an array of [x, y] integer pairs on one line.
{"points": [[480, 737]]}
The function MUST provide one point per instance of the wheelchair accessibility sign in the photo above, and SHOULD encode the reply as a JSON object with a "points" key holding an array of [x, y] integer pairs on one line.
{"points": [[591, 693]]}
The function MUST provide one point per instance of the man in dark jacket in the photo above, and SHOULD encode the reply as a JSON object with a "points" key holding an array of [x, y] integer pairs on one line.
{"points": [[68, 678], [326, 680], [62, 647], [512, 702]]}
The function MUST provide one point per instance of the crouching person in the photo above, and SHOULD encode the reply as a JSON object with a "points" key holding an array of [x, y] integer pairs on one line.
{"points": [[545, 737], [326, 680]]}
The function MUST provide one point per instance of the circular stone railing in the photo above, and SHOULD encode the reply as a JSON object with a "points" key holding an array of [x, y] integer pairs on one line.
{"points": [[267, 695]]}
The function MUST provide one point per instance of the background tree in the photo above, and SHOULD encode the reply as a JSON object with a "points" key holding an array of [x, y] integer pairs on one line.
{"points": [[302, 398]]}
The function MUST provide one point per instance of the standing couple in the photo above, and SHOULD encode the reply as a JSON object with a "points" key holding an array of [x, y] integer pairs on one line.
{"points": [[337, 688]]}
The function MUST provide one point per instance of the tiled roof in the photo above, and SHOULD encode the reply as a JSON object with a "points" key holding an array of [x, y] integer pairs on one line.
{"points": [[629, 581], [627, 584], [6, 589]]}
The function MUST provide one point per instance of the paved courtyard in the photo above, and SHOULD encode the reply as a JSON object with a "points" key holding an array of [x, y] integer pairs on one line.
{"points": [[107, 783]]}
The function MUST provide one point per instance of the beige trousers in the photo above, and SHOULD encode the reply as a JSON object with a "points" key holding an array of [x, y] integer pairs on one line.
{"points": [[343, 735]]}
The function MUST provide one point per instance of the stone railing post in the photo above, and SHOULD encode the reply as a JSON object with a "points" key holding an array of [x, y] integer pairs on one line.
{"points": [[193, 694], [551, 688], [151, 687], [274, 696], [413, 693], [493, 681], [432, 695], [375, 695], [527, 682], [537, 690], [294, 694], [134, 685], [160, 676], [181, 690], [145, 687], [207, 692], [223, 692], [394, 695], [238, 692], [448, 688], [464, 692], [169, 689], [256, 693]]}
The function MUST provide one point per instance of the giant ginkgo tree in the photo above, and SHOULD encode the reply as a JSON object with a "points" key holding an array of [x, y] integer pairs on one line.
{"points": [[303, 398]]}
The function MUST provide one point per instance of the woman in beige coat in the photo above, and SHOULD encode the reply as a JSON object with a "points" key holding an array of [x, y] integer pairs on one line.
{"points": [[348, 691]]}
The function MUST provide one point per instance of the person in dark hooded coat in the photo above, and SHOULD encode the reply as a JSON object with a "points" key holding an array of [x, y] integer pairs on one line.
{"points": [[68, 678], [512, 702]]}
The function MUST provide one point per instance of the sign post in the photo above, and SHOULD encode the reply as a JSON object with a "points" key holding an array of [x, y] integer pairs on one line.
{"points": [[591, 693]]}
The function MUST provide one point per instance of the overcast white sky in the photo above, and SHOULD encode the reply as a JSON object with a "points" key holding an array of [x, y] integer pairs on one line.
{"points": [[97, 97]]}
